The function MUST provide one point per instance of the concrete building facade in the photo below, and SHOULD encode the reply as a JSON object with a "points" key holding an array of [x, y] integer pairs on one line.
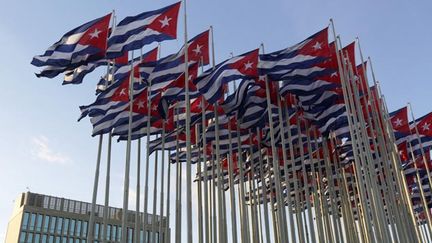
{"points": [[41, 218]]}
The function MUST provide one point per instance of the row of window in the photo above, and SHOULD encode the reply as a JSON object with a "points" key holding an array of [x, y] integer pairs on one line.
{"points": [[53, 226], [28, 237]]}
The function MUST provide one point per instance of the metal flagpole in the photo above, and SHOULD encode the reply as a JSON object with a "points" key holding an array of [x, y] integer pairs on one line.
{"points": [[161, 207], [146, 188], [90, 235], [167, 232], [243, 209], [231, 183], [282, 234], [138, 181], [285, 161], [95, 189], [199, 189], [155, 188], [178, 186], [264, 194], [296, 189], [188, 135], [127, 165], [204, 160]]}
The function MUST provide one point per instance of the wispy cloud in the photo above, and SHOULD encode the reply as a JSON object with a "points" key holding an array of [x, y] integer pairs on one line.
{"points": [[41, 149]]}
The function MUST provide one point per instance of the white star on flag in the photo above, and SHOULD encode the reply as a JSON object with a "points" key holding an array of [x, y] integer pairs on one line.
{"points": [[123, 91], [165, 22], [95, 33], [317, 46], [334, 74], [140, 104], [398, 122], [154, 108], [425, 127], [197, 50], [261, 78], [248, 65]]}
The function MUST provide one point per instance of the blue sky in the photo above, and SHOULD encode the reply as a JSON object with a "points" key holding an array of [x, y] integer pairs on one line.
{"points": [[43, 147]]}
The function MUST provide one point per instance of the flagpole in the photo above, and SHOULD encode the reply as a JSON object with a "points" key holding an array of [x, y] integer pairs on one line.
{"points": [[231, 183], [199, 189], [188, 134], [95, 189], [90, 235], [178, 186], [138, 181], [127, 165], [266, 216], [285, 161], [161, 207], [167, 231], [155, 187], [206, 194], [283, 236]]}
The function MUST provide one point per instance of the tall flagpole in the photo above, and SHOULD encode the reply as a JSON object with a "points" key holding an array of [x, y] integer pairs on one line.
{"points": [[146, 182], [188, 135], [161, 207], [95, 189], [127, 165], [90, 235], [138, 183]]}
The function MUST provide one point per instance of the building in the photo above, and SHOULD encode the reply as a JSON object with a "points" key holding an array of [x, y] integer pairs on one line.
{"points": [[40, 218]]}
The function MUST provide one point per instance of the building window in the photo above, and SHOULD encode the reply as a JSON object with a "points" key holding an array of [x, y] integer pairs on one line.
{"points": [[108, 232], [71, 206], [141, 236], [25, 221], [65, 205], [32, 221], [46, 223], [30, 238], [51, 239], [71, 240], [52, 224], [39, 222], [114, 232], [96, 231], [57, 239], [78, 228], [36, 238], [52, 203], [65, 226], [64, 239], [77, 241], [130, 235], [44, 238], [22, 237], [119, 233], [84, 229], [59, 225], [72, 227]]}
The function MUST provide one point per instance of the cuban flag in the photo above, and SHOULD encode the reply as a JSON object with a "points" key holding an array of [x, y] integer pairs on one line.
{"points": [[300, 60], [164, 72], [79, 46], [210, 83], [136, 31]]}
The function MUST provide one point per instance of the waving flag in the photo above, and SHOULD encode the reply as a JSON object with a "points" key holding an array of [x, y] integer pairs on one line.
{"points": [[211, 82], [78, 47], [300, 60], [136, 31], [168, 69]]}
